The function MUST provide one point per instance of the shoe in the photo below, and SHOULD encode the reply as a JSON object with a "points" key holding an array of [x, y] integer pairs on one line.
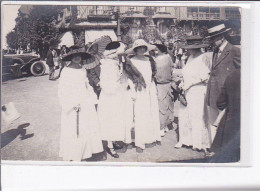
{"points": [[150, 145], [112, 152], [139, 150], [130, 146], [122, 150], [209, 154], [196, 149], [162, 133], [178, 145], [117, 146]]}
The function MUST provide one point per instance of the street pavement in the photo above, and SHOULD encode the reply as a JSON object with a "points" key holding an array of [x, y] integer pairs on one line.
{"points": [[35, 135]]}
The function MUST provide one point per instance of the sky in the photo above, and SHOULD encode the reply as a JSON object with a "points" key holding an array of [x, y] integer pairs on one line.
{"points": [[9, 13]]}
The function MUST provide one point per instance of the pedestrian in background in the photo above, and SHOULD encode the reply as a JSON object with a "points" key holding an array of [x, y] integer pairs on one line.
{"points": [[163, 80], [61, 63], [51, 56]]}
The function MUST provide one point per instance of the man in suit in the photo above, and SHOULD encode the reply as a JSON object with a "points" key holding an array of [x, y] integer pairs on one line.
{"points": [[222, 66], [226, 144], [51, 54]]}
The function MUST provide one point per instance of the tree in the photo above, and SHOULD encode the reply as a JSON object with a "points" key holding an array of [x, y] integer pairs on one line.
{"points": [[11, 39], [36, 28]]}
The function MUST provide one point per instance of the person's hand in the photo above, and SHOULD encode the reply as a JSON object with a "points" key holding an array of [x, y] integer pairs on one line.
{"points": [[98, 84], [181, 85]]}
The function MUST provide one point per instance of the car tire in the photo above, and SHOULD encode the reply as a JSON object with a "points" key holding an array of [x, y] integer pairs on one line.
{"points": [[37, 68]]}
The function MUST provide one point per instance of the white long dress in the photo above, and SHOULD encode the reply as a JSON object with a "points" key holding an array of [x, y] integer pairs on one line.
{"points": [[146, 108], [72, 92], [195, 71], [115, 107]]}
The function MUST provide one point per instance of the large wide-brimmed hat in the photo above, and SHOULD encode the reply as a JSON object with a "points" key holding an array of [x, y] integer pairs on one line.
{"points": [[217, 30], [194, 42], [75, 50], [114, 48], [139, 43], [161, 47]]}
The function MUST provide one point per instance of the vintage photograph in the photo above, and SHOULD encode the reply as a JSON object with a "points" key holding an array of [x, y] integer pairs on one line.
{"points": [[120, 83]]}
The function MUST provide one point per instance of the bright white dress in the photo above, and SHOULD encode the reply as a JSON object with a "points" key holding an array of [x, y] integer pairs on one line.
{"points": [[72, 92], [115, 107], [197, 70], [146, 108]]}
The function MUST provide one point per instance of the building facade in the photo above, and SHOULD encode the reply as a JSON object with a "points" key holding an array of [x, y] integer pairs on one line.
{"points": [[129, 20]]}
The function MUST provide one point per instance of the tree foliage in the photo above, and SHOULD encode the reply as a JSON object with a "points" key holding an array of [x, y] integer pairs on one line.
{"points": [[35, 28]]}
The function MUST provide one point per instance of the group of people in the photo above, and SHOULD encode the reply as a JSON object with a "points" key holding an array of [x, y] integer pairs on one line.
{"points": [[129, 96]]}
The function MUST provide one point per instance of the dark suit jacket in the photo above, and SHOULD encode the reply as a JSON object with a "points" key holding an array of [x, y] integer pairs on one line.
{"points": [[227, 139], [49, 60], [219, 72]]}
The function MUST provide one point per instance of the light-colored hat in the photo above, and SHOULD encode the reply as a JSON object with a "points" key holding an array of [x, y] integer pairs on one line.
{"points": [[139, 43], [194, 42], [114, 48], [217, 30]]}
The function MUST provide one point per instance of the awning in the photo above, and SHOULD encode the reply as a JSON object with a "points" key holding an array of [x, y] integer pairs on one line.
{"points": [[111, 24], [163, 16], [67, 39], [92, 35]]}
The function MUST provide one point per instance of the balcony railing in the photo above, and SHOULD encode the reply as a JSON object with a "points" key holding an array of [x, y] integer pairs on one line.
{"points": [[203, 16], [233, 16], [100, 12]]}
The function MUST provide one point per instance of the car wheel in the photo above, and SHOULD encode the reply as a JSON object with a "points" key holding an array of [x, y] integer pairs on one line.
{"points": [[37, 68]]}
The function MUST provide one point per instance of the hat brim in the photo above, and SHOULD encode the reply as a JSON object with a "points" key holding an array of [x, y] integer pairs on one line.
{"points": [[195, 46], [131, 50], [84, 56], [227, 30], [115, 51]]}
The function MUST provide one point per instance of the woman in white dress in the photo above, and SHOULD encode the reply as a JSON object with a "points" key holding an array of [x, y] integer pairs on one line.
{"points": [[80, 136], [146, 108], [163, 78], [115, 108], [195, 76]]}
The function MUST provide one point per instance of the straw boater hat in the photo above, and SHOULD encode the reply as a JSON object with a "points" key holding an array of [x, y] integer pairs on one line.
{"points": [[75, 50], [114, 48], [139, 43], [217, 30], [194, 42]]}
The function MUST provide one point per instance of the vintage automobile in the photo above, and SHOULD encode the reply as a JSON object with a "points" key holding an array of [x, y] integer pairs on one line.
{"points": [[18, 64]]}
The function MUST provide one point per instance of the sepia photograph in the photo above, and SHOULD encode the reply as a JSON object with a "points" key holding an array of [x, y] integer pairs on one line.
{"points": [[121, 83]]}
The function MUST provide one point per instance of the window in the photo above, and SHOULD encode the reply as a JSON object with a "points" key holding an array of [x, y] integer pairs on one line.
{"points": [[232, 12], [162, 28]]}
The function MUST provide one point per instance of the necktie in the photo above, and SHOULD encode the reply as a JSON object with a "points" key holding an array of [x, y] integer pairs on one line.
{"points": [[215, 56]]}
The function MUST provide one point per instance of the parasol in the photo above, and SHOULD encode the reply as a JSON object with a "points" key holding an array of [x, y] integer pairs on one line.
{"points": [[98, 47]]}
